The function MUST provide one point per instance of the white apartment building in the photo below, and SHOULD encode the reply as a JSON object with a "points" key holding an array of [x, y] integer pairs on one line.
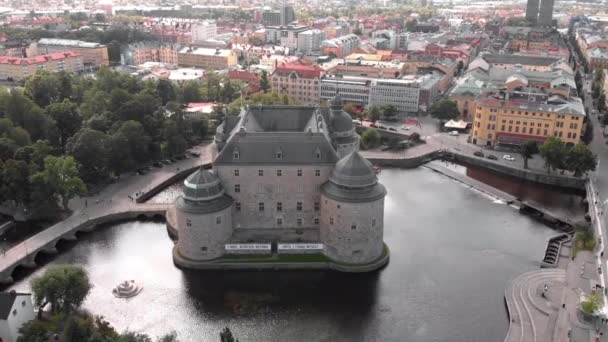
{"points": [[310, 41], [203, 30]]}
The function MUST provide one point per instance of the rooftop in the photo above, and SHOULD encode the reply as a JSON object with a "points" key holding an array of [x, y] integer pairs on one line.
{"points": [[69, 42], [206, 51]]}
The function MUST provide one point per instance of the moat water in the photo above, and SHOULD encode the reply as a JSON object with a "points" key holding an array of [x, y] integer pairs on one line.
{"points": [[452, 252]]}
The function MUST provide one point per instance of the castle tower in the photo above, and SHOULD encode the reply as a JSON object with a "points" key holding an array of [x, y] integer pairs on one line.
{"points": [[204, 219], [352, 212], [343, 135]]}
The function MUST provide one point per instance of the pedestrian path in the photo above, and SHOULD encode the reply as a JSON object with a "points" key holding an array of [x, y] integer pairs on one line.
{"points": [[533, 301], [113, 203]]}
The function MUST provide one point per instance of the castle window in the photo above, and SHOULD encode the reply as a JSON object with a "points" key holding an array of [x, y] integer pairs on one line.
{"points": [[279, 154], [188, 223], [331, 220], [318, 173], [237, 206], [353, 226], [279, 221], [338, 206], [373, 222], [316, 220], [15, 312], [260, 173], [317, 206], [23, 303], [236, 154], [236, 172], [279, 173], [204, 249], [299, 221], [279, 206], [218, 220], [237, 188], [261, 206], [299, 206], [299, 172]]}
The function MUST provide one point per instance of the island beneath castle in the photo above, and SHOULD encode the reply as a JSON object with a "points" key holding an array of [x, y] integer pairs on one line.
{"points": [[288, 189]]}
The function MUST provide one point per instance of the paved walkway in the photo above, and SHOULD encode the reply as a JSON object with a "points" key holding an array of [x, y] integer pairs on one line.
{"points": [[113, 201]]}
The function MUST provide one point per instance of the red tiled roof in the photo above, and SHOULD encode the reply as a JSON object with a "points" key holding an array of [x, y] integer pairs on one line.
{"points": [[38, 59], [307, 71]]}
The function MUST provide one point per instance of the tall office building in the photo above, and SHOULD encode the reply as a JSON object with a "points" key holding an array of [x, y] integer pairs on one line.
{"points": [[545, 15], [540, 12], [288, 15], [532, 11]]}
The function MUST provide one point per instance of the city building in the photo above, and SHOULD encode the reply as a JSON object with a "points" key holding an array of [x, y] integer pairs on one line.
{"points": [[93, 54], [408, 94], [286, 36], [15, 68], [309, 41], [206, 58], [481, 79], [341, 46], [286, 180], [15, 310], [532, 11], [404, 93], [354, 65], [283, 17], [540, 12], [513, 62], [202, 31], [522, 113], [353, 90], [142, 52], [298, 81]]}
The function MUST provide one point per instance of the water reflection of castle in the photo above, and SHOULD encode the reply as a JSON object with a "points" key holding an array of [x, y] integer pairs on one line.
{"points": [[287, 180]]}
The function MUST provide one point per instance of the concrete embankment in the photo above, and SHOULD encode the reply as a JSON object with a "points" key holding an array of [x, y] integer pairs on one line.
{"points": [[563, 181]]}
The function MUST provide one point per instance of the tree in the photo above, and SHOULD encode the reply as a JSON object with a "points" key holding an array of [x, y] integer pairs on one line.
{"points": [[592, 303], [444, 110], [596, 90], [459, 67], [370, 138], [601, 103], [137, 140], [165, 91], [64, 287], [91, 150], [170, 337], [129, 336], [389, 113], [77, 330], [264, 83], [61, 174], [553, 152], [527, 150], [226, 336], [190, 92], [14, 181], [580, 159], [43, 88], [66, 117], [373, 114], [34, 331]]}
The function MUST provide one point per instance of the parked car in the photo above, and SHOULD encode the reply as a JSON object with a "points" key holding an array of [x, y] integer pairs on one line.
{"points": [[195, 154], [157, 164], [381, 127], [508, 157], [454, 133], [373, 125], [392, 129], [492, 157], [405, 128], [478, 153]]}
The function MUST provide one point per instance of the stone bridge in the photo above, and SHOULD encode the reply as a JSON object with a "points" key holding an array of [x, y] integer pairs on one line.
{"points": [[25, 253]]}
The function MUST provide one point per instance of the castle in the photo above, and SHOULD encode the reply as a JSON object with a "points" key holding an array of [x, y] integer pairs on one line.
{"points": [[286, 180]]}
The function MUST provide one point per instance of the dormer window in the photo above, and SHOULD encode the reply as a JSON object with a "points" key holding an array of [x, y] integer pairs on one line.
{"points": [[236, 154], [317, 153], [278, 153]]}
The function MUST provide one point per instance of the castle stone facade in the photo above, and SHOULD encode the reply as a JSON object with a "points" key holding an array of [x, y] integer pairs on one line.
{"points": [[287, 179]]}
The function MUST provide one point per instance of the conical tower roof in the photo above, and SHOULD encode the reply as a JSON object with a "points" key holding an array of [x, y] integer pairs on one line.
{"points": [[353, 171], [202, 185]]}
